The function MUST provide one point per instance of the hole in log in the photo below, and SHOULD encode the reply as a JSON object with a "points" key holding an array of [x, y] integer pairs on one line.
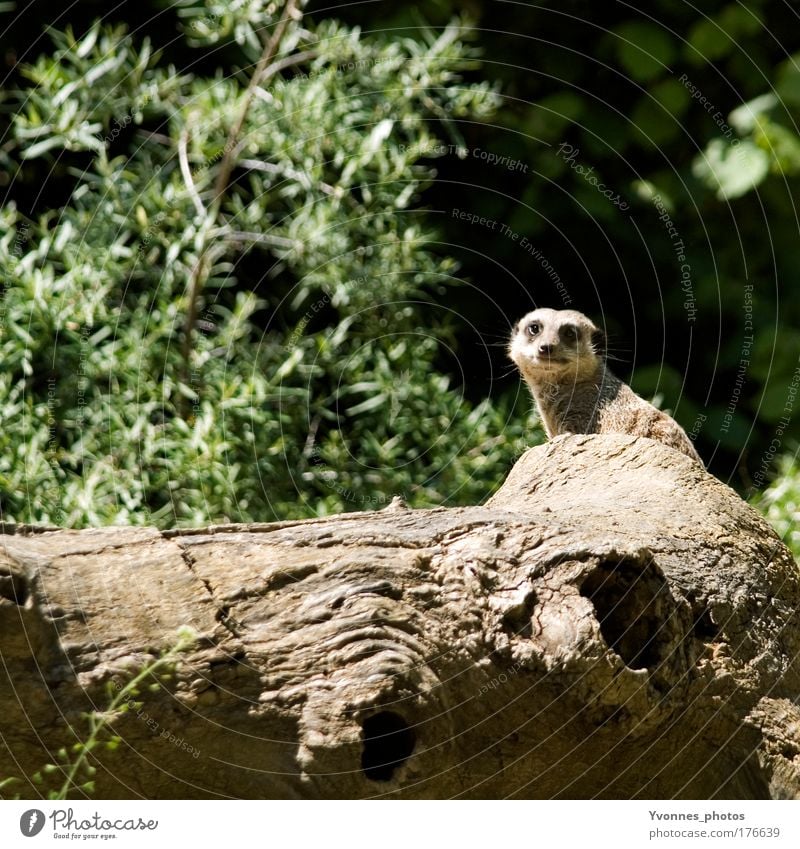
{"points": [[629, 599], [704, 627], [388, 744], [14, 588], [517, 619]]}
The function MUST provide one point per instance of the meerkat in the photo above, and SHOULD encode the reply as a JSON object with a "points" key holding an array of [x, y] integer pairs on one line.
{"points": [[560, 355]]}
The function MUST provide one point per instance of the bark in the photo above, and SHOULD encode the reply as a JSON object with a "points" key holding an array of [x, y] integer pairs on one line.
{"points": [[614, 623]]}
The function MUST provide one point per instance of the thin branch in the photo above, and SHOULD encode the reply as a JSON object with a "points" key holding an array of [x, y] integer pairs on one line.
{"points": [[311, 438], [265, 63], [183, 156], [282, 65], [258, 165], [262, 238], [195, 284], [291, 173], [288, 62]]}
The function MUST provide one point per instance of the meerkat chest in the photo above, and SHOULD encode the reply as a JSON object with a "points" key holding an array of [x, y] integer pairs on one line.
{"points": [[569, 408]]}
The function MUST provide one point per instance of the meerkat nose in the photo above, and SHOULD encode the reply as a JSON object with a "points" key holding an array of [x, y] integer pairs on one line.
{"points": [[546, 349]]}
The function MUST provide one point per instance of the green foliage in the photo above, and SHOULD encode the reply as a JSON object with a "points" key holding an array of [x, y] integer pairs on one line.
{"points": [[732, 170], [73, 770], [178, 350], [85, 85], [172, 356], [780, 502], [210, 22]]}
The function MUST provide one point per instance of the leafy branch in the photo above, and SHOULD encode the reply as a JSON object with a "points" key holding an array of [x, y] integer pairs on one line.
{"points": [[99, 722], [265, 69]]}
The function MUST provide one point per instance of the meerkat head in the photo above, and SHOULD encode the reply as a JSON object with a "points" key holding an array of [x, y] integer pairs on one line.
{"points": [[556, 346]]}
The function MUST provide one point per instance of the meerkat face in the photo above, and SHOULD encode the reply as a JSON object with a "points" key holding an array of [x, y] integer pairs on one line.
{"points": [[551, 346]]}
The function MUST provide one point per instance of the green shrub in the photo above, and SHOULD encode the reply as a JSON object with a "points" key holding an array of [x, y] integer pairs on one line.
{"points": [[236, 324], [780, 502]]}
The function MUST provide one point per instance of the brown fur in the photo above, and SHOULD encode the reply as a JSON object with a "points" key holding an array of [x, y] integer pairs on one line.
{"points": [[574, 390]]}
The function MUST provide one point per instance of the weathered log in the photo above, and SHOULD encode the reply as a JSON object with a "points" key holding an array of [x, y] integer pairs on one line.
{"points": [[614, 622]]}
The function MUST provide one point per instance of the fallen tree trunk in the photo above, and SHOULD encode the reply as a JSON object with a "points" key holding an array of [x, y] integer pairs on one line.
{"points": [[615, 622]]}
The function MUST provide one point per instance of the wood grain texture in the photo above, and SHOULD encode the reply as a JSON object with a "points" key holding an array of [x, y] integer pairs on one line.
{"points": [[614, 622]]}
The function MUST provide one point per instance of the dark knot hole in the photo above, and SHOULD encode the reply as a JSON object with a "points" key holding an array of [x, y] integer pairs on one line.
{"points": [[388, 744], [633, 606]]}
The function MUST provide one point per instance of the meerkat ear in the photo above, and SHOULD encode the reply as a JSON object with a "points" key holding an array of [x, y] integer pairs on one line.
{"points": [[599, 341]]}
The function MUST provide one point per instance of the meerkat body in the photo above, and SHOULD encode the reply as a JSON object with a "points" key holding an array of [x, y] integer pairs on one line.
{"points": [[559, 355]]}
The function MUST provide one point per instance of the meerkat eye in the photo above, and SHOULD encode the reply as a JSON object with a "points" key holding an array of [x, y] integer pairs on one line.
{"points": [[533, 328], [569, 333]]}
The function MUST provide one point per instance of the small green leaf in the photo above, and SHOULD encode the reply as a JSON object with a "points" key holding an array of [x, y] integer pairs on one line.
{"points": [[781, 144], [644, 50], [739, 21], [707, 42], [378, 136], [370, 404], [41, 147], [84, 48], [672, 95], [745, 117], [550, 117], [650, 192], [731, 170]]}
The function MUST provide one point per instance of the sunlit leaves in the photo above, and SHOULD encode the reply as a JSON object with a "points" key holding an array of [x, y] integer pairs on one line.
{"points": [[306, 384], [731, 170]]}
